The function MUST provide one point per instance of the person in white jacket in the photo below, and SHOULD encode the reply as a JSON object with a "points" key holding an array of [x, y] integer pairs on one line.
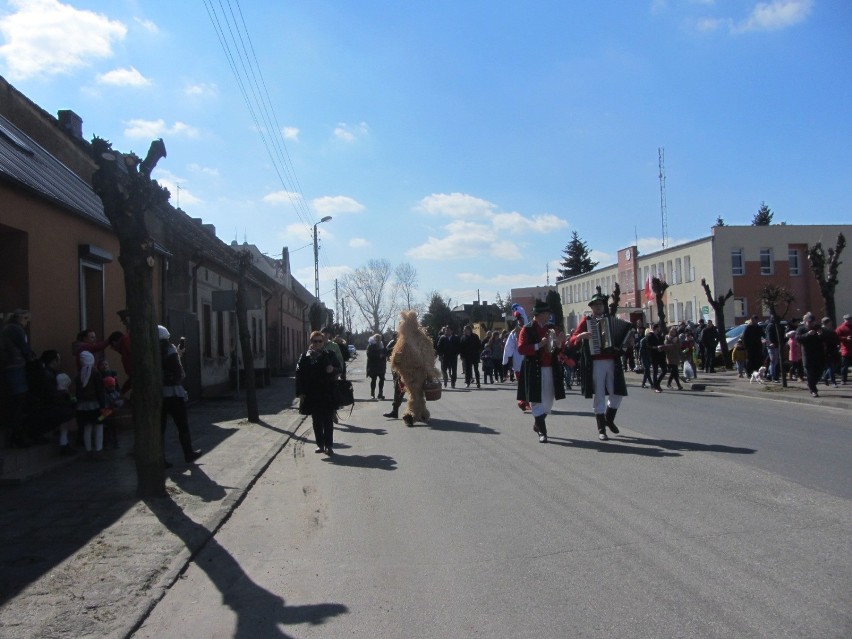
{"points": [[510, 351]]}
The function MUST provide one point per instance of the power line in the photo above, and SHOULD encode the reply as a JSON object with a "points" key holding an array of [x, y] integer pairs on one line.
{"points": [[233, 41]]}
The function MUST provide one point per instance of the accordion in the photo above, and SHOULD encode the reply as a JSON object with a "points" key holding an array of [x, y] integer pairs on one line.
{"points": [[608, 334]]}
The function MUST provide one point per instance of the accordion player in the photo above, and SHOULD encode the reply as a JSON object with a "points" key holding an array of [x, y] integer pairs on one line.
{"points": [[608, 334]]}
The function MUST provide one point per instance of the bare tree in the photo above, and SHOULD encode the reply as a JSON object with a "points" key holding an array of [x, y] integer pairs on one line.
{"points": [[827, 280], [659, 287], [373, 294], [774, 297], [130, 198], [406, 283], [718, 305]]}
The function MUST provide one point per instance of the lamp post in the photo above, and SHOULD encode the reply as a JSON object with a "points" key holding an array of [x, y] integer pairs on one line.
{"points": [[316, 256]]}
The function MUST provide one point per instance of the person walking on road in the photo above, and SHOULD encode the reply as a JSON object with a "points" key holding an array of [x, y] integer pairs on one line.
{"points": [[377, 360], [448, 354], [602, 379], [316, 374], [541, 375], [809, 337]]}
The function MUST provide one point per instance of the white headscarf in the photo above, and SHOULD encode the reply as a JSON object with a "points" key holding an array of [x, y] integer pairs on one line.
{"points": [[87, 362]]}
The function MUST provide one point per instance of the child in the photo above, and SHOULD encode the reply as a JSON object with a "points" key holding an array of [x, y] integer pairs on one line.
{"points": [[90, 402], [740, 356]]}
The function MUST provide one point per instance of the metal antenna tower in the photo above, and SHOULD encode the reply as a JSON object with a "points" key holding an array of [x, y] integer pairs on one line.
{"points": [[663, 211]]}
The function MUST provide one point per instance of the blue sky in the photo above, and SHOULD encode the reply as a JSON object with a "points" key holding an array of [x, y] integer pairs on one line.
{"points": [[466, 138]]}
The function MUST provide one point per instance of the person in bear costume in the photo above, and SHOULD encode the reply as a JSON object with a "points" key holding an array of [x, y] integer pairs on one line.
{"points": [[413, 359]]}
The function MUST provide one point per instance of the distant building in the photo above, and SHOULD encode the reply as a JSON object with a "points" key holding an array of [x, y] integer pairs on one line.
{"points": [[483, 316], [743, 259]]}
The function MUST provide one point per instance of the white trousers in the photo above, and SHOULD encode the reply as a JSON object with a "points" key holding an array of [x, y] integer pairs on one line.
{"points": [[546, 404], [603, 374]]}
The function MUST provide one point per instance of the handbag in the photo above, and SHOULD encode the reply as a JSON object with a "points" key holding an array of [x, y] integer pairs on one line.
{"points": [[344, 394]]}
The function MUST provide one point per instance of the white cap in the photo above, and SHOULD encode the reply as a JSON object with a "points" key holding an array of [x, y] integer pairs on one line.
{"points": [[163, 332]]}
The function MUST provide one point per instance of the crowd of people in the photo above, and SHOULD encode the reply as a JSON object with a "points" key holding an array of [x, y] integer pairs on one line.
{"points": [[39, 398]]}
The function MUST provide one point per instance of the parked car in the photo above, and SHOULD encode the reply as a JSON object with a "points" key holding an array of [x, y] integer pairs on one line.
{"points": [[353, 352], [732, 335]]}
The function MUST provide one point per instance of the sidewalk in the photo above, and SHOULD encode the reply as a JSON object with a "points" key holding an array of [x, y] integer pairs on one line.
{"points": [[81, 556], [726, 382]]}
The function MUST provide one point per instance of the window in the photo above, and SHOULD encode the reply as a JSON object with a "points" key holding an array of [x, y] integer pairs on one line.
{"points": [[672, 317], [679, 309], [766, 266], [677, 272], [661, 271], [220, 334], [793, 262], [92, 297], [687, 270], [689, 317], [670, 273], [737, 262], [207, 330], [740, 308]]}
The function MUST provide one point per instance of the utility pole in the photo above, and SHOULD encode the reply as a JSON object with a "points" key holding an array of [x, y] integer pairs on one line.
{"points": [[661, 151], [336, 302]]}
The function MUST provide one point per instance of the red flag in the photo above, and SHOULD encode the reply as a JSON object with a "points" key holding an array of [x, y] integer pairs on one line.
{"points": [[649, 292]]}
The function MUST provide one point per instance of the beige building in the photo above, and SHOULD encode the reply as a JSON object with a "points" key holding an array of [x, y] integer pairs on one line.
{"points": [[743, 259]]}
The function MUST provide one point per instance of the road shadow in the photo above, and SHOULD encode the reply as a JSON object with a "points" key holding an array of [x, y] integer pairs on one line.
{"points": [[360, 430], [375, 462], [611, 446], [194, 481], [259, 612], [449, 425], [695, 447]]}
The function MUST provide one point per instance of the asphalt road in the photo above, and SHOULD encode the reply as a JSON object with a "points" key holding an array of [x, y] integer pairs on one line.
{"points": [[709, 517]]}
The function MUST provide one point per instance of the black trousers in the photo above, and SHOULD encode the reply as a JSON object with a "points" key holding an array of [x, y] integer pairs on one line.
{"points": [[176, 407], [323, 422], [450, 370], [471, 368]]}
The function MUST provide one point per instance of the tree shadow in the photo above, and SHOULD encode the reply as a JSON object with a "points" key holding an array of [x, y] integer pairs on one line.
{"points": [[194, 481], [376, 462], [259, 612], [360, 430]]}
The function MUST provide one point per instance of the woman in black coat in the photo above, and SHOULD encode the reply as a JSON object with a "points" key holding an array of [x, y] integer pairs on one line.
{"points": [[376, 365], [316, 374]]}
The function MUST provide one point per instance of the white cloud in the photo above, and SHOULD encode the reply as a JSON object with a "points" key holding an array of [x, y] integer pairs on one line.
{"points": [[455, 205], [777, 14], [476, 228], [123, 78], [151, 129], [351, 133], [207, 170], [201, 89], [148, 25], [290, 133], [46, 37], [359, 242], [281, 197], [335, 204]]}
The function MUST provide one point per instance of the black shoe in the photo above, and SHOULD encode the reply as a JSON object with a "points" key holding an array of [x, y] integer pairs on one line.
{"points": [[603, 437], [319, 449], [381, 397], [542, 438], [192, 456], [393, 415]]}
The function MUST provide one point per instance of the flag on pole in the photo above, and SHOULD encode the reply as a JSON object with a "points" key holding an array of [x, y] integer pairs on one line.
{"points": [[649, 292]]}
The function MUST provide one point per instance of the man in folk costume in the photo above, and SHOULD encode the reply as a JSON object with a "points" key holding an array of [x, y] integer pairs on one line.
{"points": [[601, 377], [541, 375]]}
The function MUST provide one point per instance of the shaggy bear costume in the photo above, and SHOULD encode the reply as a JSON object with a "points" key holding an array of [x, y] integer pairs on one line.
{"points": [[414, 360]]}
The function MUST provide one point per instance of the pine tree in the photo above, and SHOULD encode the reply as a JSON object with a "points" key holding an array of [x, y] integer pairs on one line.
{"points": [[576, 258], [719, 221], [763, 217]]}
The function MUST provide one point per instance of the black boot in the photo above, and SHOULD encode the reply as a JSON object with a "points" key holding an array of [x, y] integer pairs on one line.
{"points": [[601, 419], [541, 428], [610, 419]]}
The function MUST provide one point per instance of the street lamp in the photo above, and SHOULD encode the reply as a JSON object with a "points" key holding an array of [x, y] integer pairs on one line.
{"points": [[316, 256]]}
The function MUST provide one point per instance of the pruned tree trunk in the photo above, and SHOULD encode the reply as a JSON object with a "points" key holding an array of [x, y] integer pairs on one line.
{"points": [[718, 305], [245, 260], [129, 196], [827, 277], [659, 287]]}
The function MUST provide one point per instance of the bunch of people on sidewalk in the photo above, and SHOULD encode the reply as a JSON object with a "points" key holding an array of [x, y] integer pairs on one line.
{"points": [[38, 399]]}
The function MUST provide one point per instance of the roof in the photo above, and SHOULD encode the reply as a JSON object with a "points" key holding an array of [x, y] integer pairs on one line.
{"points": [[25, 163]]}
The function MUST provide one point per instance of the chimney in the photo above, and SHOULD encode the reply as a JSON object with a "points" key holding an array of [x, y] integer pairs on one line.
{"points": [[71, 124]]}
